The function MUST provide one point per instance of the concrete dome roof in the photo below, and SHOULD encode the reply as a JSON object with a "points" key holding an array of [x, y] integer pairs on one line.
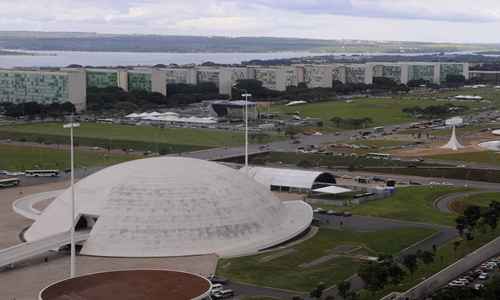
{"points": [[169, 206]]}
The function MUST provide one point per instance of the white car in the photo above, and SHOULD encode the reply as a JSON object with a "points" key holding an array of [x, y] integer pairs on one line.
{"points": [[217, 287], [483, 276], [456, 284]]}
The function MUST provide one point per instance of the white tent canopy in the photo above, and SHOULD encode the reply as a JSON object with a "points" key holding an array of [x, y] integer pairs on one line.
{"points": [[291, 178], [334, 190]]}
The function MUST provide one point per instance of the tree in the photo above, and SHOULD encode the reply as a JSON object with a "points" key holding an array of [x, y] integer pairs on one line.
{"points": [[455, 80], [472, 214], [374, 275], [426, 257], [344, 288], [456, 244], [396, 273], [491, 218], [292, 131], [410, 262], [318, 291], [461, 224]]}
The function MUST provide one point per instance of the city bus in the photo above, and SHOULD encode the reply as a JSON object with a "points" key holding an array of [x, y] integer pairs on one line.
{"points": [[380, 129], [41, 173], [10, 182]]}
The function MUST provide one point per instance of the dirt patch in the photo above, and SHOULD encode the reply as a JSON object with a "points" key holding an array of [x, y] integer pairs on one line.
{"points": [[434, 149]]}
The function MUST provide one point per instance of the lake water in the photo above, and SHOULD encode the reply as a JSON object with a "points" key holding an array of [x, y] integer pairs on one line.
{"points": [[64, 58]]}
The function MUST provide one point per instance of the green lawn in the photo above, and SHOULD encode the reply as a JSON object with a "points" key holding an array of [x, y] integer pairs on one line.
{"points": [[285, 271], [409, 204], [125, 136], [484, 157], [482, 200], [381, 111], [21, 158]]}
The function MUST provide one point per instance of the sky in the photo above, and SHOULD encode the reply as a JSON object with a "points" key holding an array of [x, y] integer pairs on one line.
{"points": [[475, 21]]}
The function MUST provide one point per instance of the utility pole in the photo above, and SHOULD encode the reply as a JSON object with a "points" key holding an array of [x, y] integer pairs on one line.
{"points": [[72, 230], [246, 96]]}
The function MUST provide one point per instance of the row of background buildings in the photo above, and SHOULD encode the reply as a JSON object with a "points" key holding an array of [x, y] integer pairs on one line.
{"points": [[70, 84]]}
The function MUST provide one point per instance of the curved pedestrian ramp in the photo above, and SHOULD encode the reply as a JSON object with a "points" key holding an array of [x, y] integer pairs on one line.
{"points": [[27, 250]]}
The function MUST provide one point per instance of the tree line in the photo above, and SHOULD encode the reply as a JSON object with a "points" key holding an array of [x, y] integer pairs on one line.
{"points": [[32, 109], [435, 111]]}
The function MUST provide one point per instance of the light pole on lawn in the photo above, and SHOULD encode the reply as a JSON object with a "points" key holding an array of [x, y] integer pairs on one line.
{"points": [[72, 230], [246, 96]]}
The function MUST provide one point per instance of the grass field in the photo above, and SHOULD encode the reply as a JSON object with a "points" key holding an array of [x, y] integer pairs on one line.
{"points": [[21, 158], [381, 111], [408, 204], [482, 200], [483, 157], [124, 136], [286, 271]]}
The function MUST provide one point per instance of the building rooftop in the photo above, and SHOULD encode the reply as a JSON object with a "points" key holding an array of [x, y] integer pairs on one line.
{"points": [[171, 206], [130, 285]]}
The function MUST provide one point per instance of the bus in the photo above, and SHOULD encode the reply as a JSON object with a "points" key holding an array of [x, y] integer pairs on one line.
{"points": [[42, 173], [380, 129], [379, 155], [10, 182]]}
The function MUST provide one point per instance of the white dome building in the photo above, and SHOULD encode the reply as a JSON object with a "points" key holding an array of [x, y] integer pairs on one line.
{"points": [[168, 206]]}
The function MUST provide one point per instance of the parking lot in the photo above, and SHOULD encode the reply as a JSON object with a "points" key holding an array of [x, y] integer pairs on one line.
{"points": [[477, 277]]}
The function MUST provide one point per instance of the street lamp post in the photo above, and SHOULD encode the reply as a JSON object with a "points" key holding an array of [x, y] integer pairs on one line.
{"points": [[246, 96], [72, 230]]}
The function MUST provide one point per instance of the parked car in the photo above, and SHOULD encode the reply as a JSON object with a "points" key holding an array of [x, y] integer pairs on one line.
{"points": [[456, 284], [318, 210], [483, 276], [223, 294], [347, 214], [216, 287], [215, 279], [331, 212]]}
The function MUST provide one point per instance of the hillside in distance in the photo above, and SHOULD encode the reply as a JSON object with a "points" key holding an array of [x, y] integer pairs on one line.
{"points": [[81, 41]]}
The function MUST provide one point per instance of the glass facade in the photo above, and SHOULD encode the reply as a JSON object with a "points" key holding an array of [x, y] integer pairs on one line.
{"points": [[450, 69], [355, 74], [421, 72], [40, 87], [268, 77], [208, 76], [102, 79], [391, 72], [139, 81]]}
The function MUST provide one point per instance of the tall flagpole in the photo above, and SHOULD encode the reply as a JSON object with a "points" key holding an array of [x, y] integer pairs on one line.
{"points": [[246, 95], [72, 229]]}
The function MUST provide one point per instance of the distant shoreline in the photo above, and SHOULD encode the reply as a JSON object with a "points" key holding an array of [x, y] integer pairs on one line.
{"points": [[8, 52]]}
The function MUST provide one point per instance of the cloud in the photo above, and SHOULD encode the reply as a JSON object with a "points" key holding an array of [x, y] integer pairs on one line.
{"points": [[426, 20], [436, 10]]}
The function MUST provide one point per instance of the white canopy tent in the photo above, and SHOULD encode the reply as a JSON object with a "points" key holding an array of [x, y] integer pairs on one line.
{"points": [[334, 190]]}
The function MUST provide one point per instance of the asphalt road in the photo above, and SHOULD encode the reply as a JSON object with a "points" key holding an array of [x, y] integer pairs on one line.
{"points": [[443, 203]]}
